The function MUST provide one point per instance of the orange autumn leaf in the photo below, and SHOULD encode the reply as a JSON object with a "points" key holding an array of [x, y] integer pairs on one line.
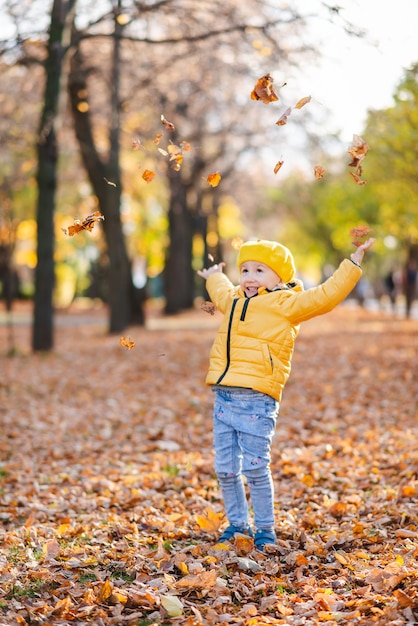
{"points": [[357, 179], [211, 521], [243, 544], [157, 138], [338, 509], [359, 234], [301, 103], [278, 166], [148, 176], [185, 146], [204, 580], [357, 150], [319, 172], [126, 342], [214, 179], [167, 124], [176, 155], [263, 90], [86, 224], [283, 118]]}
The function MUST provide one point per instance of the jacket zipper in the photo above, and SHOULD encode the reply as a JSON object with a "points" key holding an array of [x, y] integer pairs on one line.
{"points": [[228, 342], [244, 309]]}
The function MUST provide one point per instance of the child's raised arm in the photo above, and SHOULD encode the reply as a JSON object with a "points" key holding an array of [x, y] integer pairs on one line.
{"points": [[205, 273]]}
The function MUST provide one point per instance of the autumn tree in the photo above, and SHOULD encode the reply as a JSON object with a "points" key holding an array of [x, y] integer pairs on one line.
{"points": [[172, 40], [47, 147]]}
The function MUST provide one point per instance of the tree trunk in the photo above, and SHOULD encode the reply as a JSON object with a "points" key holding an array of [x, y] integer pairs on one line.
{"points": [[42, 331], [178, 273], [125, 301]]}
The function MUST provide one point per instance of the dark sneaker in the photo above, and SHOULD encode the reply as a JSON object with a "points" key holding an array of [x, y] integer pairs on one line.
{"points": [[263, 537], [230, 531]]}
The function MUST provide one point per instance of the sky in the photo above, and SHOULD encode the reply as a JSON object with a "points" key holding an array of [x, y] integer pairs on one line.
{"points": [[356, 75]]}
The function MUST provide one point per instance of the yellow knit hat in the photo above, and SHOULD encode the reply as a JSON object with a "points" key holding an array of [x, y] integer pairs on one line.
{"points": [[273, 254]]}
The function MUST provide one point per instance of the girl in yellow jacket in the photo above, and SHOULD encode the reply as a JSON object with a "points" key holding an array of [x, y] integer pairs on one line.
{"points": [[250, 362]]}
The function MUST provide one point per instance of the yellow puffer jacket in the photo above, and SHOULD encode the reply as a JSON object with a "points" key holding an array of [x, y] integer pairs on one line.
{"points": [[255, 341]]}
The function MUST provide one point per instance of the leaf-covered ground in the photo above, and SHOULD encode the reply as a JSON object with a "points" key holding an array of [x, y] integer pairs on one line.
{"points": [[110, 509]]}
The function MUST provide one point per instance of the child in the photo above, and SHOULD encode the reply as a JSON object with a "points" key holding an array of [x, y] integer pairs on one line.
{"points": [[250, 363]]}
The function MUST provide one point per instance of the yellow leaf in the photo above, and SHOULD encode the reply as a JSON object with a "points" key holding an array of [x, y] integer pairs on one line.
{"points": [[105, 591], [301, 103], [211, 521], [183, 567], [341, 559], [214, 179], [362, 555]]}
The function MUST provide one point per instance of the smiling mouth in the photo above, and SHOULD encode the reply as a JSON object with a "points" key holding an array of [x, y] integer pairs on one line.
{"points": [[251, 291]]}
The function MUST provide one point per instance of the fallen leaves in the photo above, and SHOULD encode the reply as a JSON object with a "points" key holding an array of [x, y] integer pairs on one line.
{"points": [[111, 512]]}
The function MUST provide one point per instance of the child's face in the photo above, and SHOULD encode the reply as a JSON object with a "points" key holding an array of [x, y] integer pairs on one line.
{"points": [[254, 275]]}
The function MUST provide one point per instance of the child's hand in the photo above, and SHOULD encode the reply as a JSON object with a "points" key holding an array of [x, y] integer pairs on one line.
{"points": [[205, 273], [358, 255]]}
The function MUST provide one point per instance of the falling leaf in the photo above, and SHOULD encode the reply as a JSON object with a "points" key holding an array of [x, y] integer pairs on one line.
{"points": [[263, 90], [86, 224], [157, 138], [278, 166], [148, 176], [357, 151], [208, 307], [167, 124], [236, 243], [162, 151], [283, 119], [185, 146], [357, 179], [176, 155], [109, 182], [319, 172], [126, 342], [214, 179], [301, 103], [211, 258], [359, 234], [136, 144]]}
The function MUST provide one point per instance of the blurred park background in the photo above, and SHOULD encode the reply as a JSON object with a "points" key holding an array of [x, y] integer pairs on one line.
{"points": [[126, 108]]}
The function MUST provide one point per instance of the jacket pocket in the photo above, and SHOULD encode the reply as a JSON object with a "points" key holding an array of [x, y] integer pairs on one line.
{"points": [[267, 358]]}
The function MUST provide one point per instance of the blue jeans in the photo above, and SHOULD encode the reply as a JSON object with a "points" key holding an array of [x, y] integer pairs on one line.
{"points": [[243, 427]]}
